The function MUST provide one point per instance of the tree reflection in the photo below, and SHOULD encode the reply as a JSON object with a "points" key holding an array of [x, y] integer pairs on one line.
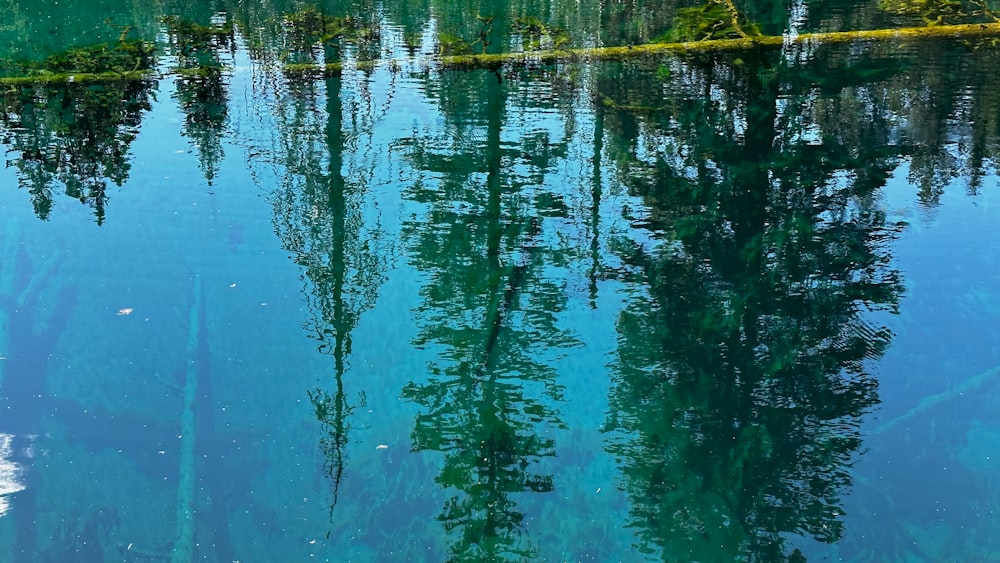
{"points": [[76, 136], [320, 217], [202, 91], [955, 117], [489, 308], [740, 374]]}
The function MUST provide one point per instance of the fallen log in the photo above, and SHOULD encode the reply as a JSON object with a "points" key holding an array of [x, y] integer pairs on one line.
{"points": [[964, 31], [967, 387], [70, 77]]}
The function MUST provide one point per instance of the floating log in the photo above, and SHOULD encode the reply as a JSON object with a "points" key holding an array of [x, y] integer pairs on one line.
{"points": [[70, 77], [964, 31]]}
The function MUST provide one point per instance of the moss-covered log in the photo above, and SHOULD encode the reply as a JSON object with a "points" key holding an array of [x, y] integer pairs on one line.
{"points": [[80, 77], [967, 31]]}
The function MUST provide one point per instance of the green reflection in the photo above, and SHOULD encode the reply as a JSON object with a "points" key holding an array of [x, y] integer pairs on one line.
{"points": [[74, 137], [489, 308], [321, 218], [741, 373], [201, 85], [759, 245]]}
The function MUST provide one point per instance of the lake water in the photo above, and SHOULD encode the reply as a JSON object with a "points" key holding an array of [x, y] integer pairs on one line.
{"points": [[739, 306]]}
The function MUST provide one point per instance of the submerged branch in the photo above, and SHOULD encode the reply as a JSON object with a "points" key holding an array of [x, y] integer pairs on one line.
{"points": [[735, 14], [929, 402]]}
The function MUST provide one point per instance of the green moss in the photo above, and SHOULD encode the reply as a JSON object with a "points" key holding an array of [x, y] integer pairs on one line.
{"points": [[537, 35], [412, 41], [654, 50], [88, 62], [611, 104], [711, 21], [30, 75], [77, 77], [310, 26], [931, 12], [452, 45]]}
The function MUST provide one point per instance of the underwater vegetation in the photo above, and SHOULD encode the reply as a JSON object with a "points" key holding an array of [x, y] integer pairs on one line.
{"points": [[309, 32], [716, 19], [537, 35], [124, 58]]}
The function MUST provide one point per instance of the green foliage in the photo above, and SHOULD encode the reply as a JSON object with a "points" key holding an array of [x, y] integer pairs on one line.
{"points": [[124, 56], [712, 20], [537, 35], [311, 26], [931, 12]]}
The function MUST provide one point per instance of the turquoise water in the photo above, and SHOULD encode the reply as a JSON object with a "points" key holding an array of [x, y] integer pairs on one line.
{"points": [[707, 308]]}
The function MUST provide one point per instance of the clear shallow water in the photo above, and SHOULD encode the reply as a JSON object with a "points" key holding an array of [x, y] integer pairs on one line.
{"points": [[679, 309]]}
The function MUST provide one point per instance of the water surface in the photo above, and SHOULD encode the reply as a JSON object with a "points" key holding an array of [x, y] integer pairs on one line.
{"points": [[720, 307]]}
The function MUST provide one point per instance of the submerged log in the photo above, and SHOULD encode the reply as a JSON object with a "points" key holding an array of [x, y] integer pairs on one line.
{"points": [[967, 387], [184, 542]]}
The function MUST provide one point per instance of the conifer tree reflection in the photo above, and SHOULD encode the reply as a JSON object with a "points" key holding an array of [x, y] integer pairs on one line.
{"points": [[202, 92], [490, 310], [954, 116], [73, 136], [320, 218], [740, 375]]}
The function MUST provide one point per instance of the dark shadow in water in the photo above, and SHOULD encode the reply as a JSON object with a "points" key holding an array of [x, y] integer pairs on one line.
{"points": [[490, 309], [741, 376], [202, 89], [323, 218], [72, 136]]}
